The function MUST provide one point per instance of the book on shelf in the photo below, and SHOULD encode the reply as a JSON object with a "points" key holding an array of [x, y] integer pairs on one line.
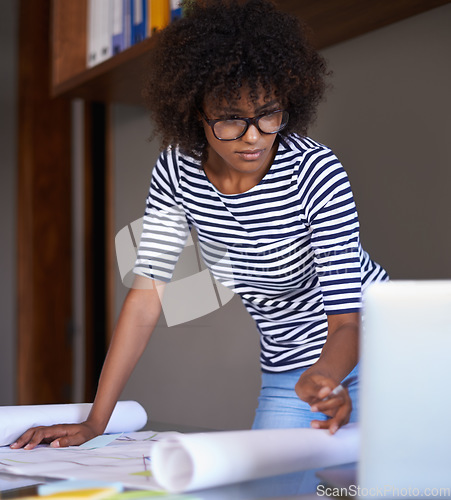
{"points": [[176, 9], [158, 12], [121, 27], [99, 31], [139, 19], [115, 25]]}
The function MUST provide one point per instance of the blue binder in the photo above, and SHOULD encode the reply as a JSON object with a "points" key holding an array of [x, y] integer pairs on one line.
{"points": [[138, 15], [121, 25], [176, 10]]}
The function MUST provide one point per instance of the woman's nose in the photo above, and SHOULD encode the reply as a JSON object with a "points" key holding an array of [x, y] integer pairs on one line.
{"points": [[252, 134]]}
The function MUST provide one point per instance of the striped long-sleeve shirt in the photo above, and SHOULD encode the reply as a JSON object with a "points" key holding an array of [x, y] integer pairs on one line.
{"points": [[289, 246]]}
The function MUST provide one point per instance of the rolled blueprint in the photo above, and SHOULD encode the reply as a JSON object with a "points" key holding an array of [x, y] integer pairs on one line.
{"points": [[189, 462], [127, 416]]}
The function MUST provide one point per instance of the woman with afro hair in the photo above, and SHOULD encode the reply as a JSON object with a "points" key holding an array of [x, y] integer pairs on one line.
{"points": [[233, 87]]}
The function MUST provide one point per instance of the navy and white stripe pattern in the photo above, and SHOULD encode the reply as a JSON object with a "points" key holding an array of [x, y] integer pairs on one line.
{"points": [[289, 246]]}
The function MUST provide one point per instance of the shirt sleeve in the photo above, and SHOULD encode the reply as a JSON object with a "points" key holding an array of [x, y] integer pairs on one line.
{"points": [[332, 218], [165, 228]]}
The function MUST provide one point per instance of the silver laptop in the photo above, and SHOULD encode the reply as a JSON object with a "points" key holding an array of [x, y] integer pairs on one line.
{"points": [[405, 390]]}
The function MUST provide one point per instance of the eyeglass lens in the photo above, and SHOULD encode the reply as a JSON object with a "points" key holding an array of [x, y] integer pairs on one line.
{"points": [[267, 124]]}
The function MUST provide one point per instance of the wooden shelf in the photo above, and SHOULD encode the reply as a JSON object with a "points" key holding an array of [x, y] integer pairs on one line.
{"points": [[120, 78]]}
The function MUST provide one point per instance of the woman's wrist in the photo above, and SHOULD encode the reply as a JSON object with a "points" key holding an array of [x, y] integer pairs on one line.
{"points": [[323, 369], [97, 427]]}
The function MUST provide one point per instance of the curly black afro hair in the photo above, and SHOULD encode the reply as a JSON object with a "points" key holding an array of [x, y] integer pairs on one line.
{"points": [[218, 47]]}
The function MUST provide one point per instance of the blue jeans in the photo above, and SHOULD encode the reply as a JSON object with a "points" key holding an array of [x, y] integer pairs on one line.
{"points": [[279, 406]]}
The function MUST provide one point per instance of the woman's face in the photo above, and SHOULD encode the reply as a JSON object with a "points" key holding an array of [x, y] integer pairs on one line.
{"points": [[253, 152]]}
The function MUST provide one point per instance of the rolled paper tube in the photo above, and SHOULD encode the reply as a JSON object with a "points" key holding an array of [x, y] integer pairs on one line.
{"points": [[189, 462], [128, 416]]}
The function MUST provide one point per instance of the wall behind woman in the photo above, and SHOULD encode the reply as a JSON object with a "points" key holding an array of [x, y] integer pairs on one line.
{"points": [[8, 83], [388, 120]]}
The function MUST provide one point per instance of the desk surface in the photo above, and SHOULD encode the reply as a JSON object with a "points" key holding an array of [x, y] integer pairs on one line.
{"points": [[299, 485], [287, 487]]}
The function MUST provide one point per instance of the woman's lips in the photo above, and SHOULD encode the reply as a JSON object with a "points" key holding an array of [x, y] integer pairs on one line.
{"points": [[250, 154]]}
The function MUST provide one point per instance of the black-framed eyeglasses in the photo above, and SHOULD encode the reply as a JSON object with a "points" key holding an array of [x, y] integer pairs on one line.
{"points": [[234, 128]]}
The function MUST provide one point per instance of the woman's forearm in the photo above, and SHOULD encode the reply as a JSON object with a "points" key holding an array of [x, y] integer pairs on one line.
{"points": [[136, 323], [340, 353]]}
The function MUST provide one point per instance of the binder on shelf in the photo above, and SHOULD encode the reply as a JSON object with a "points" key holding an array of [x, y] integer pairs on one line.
{"points": [[158, 15], [176, 10], [127, 22], [138, 20], [120, 25], [99, 31], [91, 31]]}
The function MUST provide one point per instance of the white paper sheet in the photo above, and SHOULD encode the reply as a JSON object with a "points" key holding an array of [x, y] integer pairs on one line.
{"points": [[125, 460], [127, 416], [188, 462]]}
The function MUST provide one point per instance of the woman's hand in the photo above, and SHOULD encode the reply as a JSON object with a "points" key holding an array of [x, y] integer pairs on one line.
{"points": [[58, 436], [338, 357], [320, 392]]}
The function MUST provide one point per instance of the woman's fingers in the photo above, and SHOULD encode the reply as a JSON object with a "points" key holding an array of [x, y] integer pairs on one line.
{"points": [[58, 436], [338, 406], [34, 436], [334, 400]]}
